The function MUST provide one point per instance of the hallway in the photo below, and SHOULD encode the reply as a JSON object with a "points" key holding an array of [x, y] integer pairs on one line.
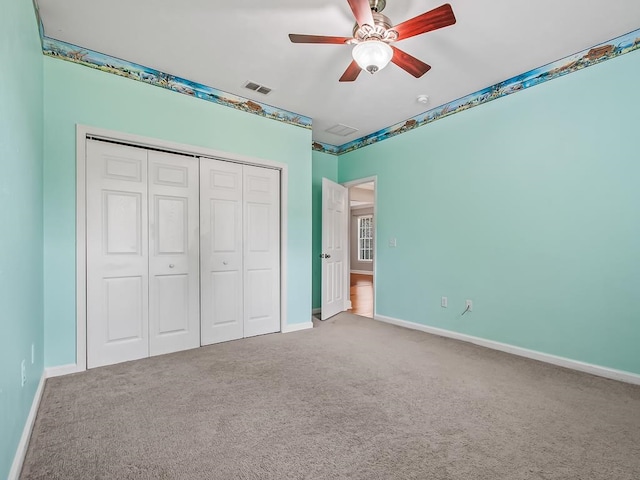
{"points": [[361, 294]]}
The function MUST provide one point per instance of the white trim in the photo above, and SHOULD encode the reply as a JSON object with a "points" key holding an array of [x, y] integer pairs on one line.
{"points": [[359, 181], [296, 327], [82, 131], [359, 230], [605, 372], [198, 151], [361, 207], [362, 272], [81, 247], [61, 370], [284, 218], [316, 311], [21, 452]]}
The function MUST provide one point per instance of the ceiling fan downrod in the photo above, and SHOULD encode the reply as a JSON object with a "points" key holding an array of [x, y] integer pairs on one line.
{"points": [[377, 5]]}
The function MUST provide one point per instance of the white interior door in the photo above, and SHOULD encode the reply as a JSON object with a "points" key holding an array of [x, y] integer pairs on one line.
{"points": [[335, 217], [117, 254], [221, 266], [261, 212], [174, 236]]}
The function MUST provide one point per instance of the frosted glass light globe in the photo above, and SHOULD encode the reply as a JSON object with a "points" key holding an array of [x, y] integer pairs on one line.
{"points": [[372, 55]]}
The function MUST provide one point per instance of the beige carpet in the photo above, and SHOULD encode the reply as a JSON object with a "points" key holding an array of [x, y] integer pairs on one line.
{"points": [[352, 399]]}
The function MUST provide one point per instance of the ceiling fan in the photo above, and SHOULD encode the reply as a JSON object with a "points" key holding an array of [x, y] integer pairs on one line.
{"points": [[373, 34]]}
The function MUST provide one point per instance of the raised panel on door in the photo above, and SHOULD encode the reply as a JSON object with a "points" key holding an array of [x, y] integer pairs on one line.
{"points": [[221, 262], [226, 294], [117, 254], [123, 309], [174, 284], [337, 249], [334, 236], [261, 251]]}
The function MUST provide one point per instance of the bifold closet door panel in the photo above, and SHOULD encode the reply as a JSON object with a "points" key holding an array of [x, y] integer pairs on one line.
{"points": [[261, 201], [221, 267], [117, 254], [174, 236]]}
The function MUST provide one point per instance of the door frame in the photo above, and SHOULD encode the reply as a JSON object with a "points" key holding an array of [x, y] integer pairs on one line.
{"points": [[85, 131], [355, 183]]}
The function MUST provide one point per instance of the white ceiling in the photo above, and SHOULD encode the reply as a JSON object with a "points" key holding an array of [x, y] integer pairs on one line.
{"points": [[362, 195], [223, 44], [365, 186]]}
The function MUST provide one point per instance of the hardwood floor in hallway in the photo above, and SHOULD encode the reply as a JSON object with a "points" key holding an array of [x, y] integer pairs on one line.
{"points": [[361, 294]]}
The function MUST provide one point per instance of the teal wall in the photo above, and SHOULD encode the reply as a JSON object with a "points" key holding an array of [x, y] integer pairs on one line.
{"points": [[20, 220], [529, 206], [324, 166], [75, 94]]}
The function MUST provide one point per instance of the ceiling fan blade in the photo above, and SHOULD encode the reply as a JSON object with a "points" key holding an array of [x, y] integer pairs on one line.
{"points": [[362, 11], [295, 38], [432, 20], [351, 73], [415, 67]]}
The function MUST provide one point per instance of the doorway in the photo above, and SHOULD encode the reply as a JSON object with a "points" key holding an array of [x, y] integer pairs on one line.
{"points": [[348, 247], [362, 247]]}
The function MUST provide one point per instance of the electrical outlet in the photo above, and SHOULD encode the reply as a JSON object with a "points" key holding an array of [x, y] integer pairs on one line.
{"points": [[469, 305], [23, 372], [444, 302]]}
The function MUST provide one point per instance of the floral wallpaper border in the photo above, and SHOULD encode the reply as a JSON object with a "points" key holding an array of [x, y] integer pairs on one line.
{"points": [[573, 63]]}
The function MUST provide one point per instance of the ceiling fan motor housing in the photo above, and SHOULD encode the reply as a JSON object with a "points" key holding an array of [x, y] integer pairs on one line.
{"points": [[380, 31], [372, 43]]}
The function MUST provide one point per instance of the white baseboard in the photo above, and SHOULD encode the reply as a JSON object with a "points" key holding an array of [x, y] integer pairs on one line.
{"points": [[21, 452], [362, 272], [51, 372], [295, 327], [611, 373], [316, 311]]}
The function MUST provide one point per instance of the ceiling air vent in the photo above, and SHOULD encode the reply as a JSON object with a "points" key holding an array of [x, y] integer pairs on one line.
{"points": [[341, 130], [257, 88]]}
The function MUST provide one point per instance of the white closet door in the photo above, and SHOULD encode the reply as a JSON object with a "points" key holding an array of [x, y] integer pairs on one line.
{"points": [[174, 236], [221, 251], [261, 194], [117, 255]]}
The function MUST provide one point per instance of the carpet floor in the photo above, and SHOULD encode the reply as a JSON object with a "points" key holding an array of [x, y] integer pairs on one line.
{"points": [[351, 399]]}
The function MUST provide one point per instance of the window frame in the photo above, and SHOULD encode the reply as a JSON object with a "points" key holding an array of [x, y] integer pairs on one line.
{"points": [[365, 238]]}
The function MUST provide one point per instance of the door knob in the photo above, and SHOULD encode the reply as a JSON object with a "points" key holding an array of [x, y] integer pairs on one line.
{"points": [[171, 265], [225, 262], [325, 255]]}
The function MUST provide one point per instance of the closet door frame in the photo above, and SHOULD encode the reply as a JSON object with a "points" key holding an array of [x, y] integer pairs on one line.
{"points": [[84, 132]]}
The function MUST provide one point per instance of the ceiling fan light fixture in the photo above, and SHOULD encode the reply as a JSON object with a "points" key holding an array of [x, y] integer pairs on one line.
{"points": [[372, 55]]}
